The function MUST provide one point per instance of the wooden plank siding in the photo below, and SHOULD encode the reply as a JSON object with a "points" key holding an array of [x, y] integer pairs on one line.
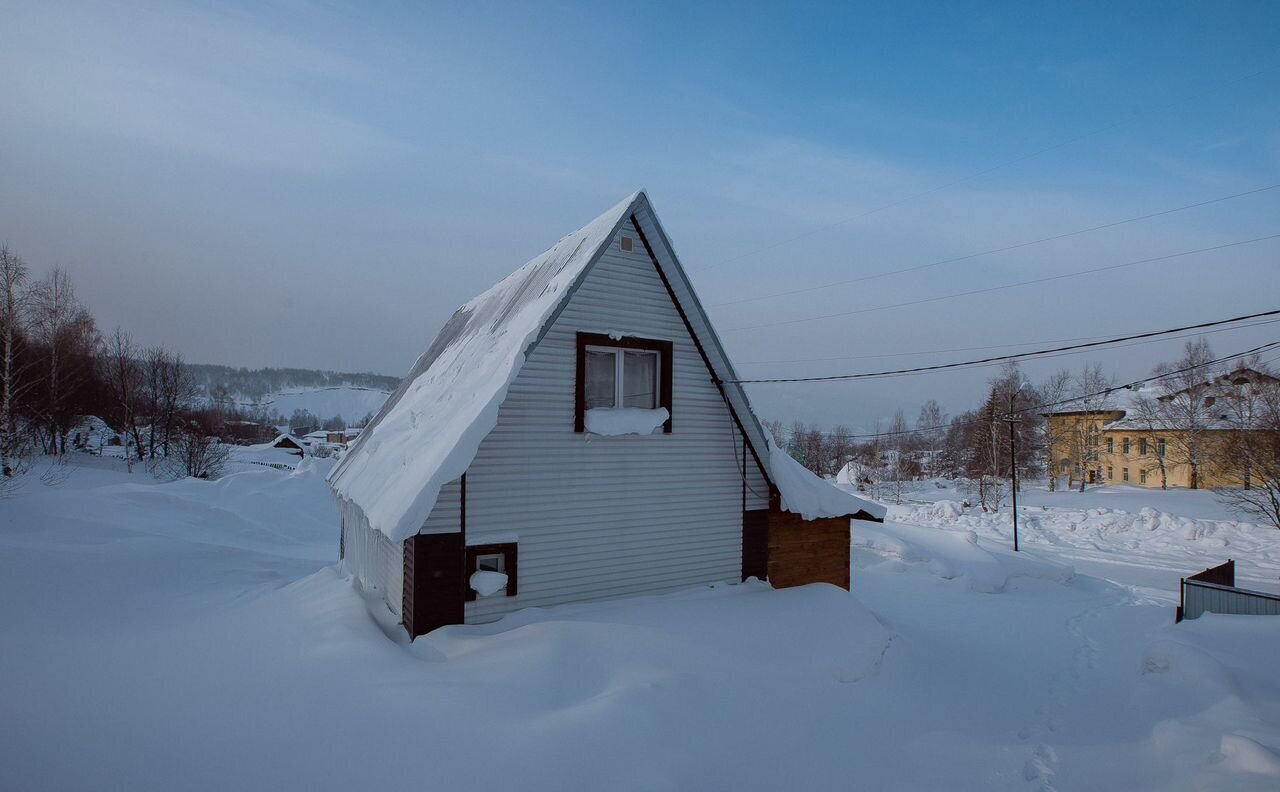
{"points": [[599, 517], [807, 551]]}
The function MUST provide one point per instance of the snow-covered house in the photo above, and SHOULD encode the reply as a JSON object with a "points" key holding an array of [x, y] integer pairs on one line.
{"points": [[576, 432], [289, 443]]}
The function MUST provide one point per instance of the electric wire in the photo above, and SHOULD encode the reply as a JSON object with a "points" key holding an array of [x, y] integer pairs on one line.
{"points": [[1014, 356]]}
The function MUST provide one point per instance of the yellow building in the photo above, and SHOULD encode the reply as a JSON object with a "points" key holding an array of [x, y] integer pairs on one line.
{"points": [[1112, 443]]}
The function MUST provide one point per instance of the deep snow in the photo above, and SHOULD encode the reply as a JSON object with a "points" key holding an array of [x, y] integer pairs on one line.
{"points": [[196, 635]]}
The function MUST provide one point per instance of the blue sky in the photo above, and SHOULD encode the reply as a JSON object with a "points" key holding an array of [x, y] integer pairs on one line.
{"points": [[321, 184]]}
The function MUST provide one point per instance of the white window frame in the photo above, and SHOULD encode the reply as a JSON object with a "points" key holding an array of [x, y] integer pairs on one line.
{"points": [[619, 364]]}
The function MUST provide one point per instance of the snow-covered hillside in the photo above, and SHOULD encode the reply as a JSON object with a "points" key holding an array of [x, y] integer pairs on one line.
{"points": [[197, 635], [349, 401]]}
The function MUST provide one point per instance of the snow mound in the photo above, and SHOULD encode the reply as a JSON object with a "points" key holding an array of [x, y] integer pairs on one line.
{"points": [[626, 646], [983, 565]]}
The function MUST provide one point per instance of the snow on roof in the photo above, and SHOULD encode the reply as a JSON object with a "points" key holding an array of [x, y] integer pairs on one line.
{"points": [[811, 497], [430, 429]]}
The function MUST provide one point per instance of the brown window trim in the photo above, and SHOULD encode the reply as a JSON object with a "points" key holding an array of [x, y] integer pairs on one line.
{"points": [[585, 340], [510, 555]]}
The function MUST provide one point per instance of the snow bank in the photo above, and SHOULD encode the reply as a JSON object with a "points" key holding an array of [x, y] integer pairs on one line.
{"points": [[1147, 537], [805, 494], [983, 565], [624, 420], [432, 426], [750, 628]]}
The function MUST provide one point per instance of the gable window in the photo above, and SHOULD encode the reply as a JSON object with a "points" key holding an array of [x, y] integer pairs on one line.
{"points": [[622, 373], [500, 558]]}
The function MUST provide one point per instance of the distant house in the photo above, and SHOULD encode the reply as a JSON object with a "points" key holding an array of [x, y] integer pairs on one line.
{"points": [[288, 442], [576, 433], [1123, 446]]}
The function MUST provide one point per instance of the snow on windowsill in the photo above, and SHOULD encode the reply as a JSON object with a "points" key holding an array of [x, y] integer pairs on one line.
{"points": [[614, 421], [486, 583]]}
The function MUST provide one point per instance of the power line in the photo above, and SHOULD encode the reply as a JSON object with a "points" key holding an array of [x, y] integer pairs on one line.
{"points": [[1014, 356], [1060, 402], [954, 349], [984, 171], [989, 289], [993, 251]]}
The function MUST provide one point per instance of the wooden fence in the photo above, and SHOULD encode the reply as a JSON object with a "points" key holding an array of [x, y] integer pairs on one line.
{"points": [[1214, 591]]}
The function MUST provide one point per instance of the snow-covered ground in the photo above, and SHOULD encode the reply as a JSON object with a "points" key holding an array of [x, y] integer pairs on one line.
{"points": [[196, 635], [1133, 535]]}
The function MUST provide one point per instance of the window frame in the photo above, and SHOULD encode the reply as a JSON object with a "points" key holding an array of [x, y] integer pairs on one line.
{"points": [[510, 552], [626, 343]]}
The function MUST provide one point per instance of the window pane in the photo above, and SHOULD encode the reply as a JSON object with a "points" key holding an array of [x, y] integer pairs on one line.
{"points": [[490, 563], [600, 379], [640, 379]]}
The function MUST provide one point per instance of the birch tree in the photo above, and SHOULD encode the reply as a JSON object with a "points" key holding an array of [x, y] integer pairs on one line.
{"points": [[68, 338], [1182, 406], [14, 371]]}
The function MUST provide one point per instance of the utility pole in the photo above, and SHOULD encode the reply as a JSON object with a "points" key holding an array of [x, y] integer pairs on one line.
{"points": [[1011, 419]]}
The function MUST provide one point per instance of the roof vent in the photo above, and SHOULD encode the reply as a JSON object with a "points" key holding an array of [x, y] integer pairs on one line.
{"points": [[626, 243]]}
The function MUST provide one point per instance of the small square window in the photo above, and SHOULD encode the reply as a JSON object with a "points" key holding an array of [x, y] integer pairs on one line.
{"points": [[499, 558], [627, 244]]}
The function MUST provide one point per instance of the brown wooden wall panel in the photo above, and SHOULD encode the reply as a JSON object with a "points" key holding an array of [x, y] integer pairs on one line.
{"points": [[434, 583], [807, 551]]}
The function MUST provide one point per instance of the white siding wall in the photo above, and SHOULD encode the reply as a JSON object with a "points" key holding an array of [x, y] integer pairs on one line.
{"points": [[377, 561], [597, 516]]}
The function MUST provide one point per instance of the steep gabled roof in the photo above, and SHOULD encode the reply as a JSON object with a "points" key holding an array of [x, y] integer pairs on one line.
{"points": [[429, 430]]}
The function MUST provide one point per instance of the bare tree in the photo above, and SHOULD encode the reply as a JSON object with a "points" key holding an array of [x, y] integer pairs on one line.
{"points": [[897, 467], [1055, 433], [1251, 453], [15, 377], [1084, 434], [68, 337], [169, 389], [1182, 405], [1146, 416], [194, 453], [929, 433], [124, 376]]}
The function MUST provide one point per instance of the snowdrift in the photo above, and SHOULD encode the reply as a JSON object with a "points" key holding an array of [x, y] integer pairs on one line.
{"points": [[983, 565]]}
